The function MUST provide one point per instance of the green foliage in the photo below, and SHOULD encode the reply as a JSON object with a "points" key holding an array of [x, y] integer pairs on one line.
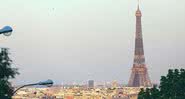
{"points": [[172, 86], [147, 93], [6, 73], [141, 94]]}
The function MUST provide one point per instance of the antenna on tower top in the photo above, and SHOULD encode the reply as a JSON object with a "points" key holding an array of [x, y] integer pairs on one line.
{"points": [[138, 9], [138, 5]]}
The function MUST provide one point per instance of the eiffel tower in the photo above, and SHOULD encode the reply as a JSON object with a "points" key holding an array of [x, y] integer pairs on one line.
{"points": [[139, 76]]}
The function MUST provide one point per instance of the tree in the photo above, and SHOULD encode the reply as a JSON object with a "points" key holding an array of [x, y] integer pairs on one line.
{"points": [[141, 94], [147, 93], [172, 86], [154, 93], [6, 73]]}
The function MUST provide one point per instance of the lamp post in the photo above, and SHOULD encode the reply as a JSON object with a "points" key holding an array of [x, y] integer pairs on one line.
{"points": [[7, 30], [48, 83]]}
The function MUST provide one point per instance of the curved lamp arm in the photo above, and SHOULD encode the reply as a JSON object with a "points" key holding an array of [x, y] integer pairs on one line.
{"points": [[23, 87], [47, 83]]}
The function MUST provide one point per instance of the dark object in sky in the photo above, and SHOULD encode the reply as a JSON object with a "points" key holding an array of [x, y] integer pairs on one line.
{"points": [[7, 30]]}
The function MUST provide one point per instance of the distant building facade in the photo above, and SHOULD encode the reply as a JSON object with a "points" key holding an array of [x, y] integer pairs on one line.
{"points": [[91, 84]]}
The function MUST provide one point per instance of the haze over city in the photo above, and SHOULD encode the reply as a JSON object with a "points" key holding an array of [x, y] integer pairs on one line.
{"points": [[77, 40]]}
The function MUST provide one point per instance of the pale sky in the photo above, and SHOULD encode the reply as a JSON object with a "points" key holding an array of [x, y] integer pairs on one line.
{"points": [[76, 40]]}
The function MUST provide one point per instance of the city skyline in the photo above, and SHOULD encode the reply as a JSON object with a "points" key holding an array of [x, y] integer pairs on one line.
{"points": [[84, 40]]}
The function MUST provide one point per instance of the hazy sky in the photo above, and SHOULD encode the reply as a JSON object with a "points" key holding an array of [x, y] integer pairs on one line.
{"points": [[76, 40]]}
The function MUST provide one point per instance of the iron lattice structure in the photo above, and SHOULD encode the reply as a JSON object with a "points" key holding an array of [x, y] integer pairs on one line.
{"points": [[139, 76]]}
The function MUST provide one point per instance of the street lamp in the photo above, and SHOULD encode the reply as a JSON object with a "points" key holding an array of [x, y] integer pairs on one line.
{"points": [[48, 83], [7, 31]]}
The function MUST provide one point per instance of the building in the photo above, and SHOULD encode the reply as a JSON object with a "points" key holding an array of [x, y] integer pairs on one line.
{"points": [[139, 76], [114, 84], [91, 84]]}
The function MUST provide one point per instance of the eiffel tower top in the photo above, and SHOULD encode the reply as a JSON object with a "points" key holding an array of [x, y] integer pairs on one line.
{"points": [[138, 12]]}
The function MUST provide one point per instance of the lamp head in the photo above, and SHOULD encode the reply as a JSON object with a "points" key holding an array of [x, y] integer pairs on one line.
{"points": [[7, 31], [48, 83]]}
